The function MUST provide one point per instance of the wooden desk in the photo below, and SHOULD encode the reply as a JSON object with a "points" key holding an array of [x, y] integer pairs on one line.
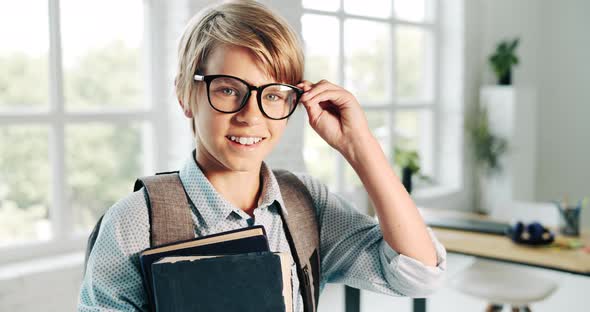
{"points": [[501, 248]]}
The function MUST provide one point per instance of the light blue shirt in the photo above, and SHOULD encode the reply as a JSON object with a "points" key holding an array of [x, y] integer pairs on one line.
{"points": [[352, 248]]}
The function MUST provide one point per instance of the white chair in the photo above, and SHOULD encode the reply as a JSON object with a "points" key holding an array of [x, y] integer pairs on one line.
{"points": [[502, 283]]}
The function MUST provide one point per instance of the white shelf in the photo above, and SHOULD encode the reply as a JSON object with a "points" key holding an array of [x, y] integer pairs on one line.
{"points": [[512, 115]]}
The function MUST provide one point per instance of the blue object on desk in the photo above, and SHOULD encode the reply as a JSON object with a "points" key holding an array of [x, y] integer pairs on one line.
{"points": [[530, 234]]}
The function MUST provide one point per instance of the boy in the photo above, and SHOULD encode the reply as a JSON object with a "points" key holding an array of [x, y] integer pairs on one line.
{"points": [[240, 77]]}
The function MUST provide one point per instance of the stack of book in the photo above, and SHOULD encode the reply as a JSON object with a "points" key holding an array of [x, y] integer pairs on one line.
{"points": [[229, 271]]}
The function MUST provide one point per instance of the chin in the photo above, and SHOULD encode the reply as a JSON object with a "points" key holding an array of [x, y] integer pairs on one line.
{"points": [[242, 164], [249, 165]]}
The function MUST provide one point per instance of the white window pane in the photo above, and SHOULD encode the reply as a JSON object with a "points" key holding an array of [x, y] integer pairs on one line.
{"points": [[23, 55], [379, 125], [413, 63], [24, 184], [375, 8], [321, 47], [324, 5], [102, 54], [102, 163], [414, 10], [319, 157], [414, 131], [367, 61]]}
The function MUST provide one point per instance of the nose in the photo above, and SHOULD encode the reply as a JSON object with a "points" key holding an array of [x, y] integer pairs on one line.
{"points": [[250, 114]]}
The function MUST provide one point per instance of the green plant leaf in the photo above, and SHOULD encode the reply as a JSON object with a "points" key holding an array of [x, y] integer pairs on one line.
{"points": [[514, 44], [486, 146], [504, 57], [407, 159]]}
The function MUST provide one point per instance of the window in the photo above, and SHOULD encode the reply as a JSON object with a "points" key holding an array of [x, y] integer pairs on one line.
{"points": [[73, 115], [385, 53]]}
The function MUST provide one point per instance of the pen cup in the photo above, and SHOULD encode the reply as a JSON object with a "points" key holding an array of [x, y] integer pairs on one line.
{"points": [[569, 221]]}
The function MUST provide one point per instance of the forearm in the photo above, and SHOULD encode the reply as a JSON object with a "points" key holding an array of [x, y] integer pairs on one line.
{"points": [[401, 223]]}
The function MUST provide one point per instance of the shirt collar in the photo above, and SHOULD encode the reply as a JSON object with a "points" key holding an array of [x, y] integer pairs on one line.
{"points": [[204, 196]]}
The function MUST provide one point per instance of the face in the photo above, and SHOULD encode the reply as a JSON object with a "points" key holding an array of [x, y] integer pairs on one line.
{"points": [[215, 149]]}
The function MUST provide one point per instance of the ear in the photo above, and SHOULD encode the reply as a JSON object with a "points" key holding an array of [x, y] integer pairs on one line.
{"points": [[186, 109]]}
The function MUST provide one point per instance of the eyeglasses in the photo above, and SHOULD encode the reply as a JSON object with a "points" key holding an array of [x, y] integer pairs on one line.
{"points": [[229, 94]]}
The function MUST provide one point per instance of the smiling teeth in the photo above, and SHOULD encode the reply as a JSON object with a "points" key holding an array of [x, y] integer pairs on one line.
{"points": [[245, 141]]}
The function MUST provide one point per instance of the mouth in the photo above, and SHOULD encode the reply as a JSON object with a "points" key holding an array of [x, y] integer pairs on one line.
{"points": [[245, 143]]}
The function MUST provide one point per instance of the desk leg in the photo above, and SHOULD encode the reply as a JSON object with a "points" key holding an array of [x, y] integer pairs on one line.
{"points": [[352, 299], [419, 304]]}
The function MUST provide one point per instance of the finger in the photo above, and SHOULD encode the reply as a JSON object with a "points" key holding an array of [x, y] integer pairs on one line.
{"points": [[313, 110], [338, 97], [319, 88], [323, 103], [305, 85], [323, 81]]}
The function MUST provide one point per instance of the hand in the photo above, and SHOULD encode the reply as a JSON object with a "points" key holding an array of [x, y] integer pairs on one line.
{"points": [[335, 114]]}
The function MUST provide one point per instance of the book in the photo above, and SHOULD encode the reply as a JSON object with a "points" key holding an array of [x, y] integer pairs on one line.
{"points": [[249, 282], [244, 240]]}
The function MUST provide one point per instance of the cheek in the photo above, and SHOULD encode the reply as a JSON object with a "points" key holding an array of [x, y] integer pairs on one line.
{"points": [[201, 113], [277, 129], [213, 126]]}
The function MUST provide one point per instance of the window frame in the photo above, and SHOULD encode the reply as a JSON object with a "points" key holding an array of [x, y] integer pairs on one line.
{"points": [[433, 26], [154, 134]]}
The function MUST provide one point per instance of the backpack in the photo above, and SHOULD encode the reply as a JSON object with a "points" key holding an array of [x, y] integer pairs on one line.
{"points": [[170, 221]]}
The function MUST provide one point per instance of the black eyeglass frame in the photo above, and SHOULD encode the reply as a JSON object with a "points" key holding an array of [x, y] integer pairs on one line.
{"points": [[259, 90]]}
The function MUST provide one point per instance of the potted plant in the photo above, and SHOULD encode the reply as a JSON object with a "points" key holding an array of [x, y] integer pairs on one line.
{"points": [[409, 162], [503, 59], [487, 149]]}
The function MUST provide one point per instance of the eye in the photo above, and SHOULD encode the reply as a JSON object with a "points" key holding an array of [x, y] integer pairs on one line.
{"points": [[273, 97], [225, 91], [229, 91]]}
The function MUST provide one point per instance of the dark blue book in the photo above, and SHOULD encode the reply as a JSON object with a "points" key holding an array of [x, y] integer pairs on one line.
{"points": [[249, 282], [244, 240]]}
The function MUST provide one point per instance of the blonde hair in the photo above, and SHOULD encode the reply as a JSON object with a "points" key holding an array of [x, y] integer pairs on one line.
{"points": [[246, 24]]}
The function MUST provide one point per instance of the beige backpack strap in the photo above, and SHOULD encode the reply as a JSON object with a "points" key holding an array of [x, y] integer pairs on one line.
{"points": [[169, 210], [302, 231]]}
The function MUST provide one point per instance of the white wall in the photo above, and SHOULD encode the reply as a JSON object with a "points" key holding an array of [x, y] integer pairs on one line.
{"points": [[563, 165], [553, 51]]}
